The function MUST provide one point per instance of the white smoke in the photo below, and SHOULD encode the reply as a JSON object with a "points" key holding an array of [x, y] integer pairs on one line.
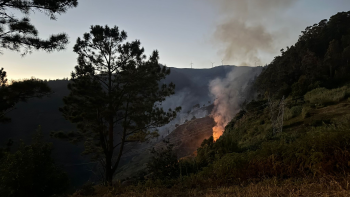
{"points": [[229, 93], [192, 106], [245, 33]]}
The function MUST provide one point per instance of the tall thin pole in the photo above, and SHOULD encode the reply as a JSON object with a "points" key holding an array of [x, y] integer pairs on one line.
{"points": [[212, 64], [222, 62], [191, 64]]}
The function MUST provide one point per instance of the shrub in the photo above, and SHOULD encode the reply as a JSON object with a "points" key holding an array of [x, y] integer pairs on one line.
{"points": [[30, 171], [322, 151], [164, 163], [231, 165], [87, 189], [323, 96], [305, 112], [292, 112]]}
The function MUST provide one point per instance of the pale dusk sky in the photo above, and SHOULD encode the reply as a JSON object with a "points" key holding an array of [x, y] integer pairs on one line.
{"points": [[183, 31]]}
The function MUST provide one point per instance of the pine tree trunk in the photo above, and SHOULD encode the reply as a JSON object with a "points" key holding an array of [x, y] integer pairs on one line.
{"points": [[109, 168], [109, 174]]}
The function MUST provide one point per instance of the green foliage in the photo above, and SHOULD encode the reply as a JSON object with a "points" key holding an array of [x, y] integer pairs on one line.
{"points": [[230, 165], [30, 171], [164, 163], [323, 150], [209, 151], [252, 106], [206, 152], [323, 96], [115, 96], [247, 151]]}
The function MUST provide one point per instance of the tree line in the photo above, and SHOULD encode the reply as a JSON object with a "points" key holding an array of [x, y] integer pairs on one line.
{"points": [[320, 58]]}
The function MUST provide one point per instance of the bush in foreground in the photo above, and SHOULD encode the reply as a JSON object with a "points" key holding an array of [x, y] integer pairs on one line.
{"points": [[30, 171]]}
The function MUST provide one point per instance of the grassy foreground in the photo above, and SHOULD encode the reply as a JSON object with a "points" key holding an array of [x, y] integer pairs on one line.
{"points": [[325, 186]]}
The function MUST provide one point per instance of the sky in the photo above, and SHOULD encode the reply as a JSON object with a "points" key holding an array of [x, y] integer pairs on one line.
{"points": [[228, 32]]}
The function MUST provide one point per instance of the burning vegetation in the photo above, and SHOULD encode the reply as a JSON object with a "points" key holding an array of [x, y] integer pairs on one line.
{"points": [[229, 94]]}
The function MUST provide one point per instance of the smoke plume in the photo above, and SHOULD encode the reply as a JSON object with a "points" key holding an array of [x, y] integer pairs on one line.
{"points": [[192, 106], [248, 32], [229, 93]]}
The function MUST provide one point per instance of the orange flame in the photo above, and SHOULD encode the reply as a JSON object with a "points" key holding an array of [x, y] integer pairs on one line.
{"points": [[218, 130]]}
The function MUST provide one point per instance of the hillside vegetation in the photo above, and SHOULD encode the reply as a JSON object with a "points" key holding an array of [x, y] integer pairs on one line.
{"points": [[309, 156]]}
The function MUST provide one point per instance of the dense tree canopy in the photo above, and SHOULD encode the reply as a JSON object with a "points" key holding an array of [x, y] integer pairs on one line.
{"points": [[319, 58], [115, 95]]}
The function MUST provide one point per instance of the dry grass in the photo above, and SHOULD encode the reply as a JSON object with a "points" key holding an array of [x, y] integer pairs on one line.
{"points": [[271, 187], [322, 187]]}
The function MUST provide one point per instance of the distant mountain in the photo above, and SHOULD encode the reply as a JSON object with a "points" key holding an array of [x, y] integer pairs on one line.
{"points": [[192, 85]]}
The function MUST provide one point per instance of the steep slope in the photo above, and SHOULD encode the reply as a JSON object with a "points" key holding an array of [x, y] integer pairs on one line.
{"points": [[189, 136]]}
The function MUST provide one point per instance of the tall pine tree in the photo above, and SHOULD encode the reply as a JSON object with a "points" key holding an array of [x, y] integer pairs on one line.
{"points": [[115, 95]]}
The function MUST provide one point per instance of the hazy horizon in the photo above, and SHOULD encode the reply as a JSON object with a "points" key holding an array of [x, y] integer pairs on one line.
{"points": [[240, 32]]}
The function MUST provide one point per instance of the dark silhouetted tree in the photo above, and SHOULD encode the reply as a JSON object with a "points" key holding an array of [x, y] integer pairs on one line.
{"points": [[19, 91], [115, 95], [333, 57], [19, 34]]}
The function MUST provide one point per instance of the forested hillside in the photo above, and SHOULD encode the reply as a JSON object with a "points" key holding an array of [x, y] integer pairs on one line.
{"points": [[292, 139], [320, 58]]}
